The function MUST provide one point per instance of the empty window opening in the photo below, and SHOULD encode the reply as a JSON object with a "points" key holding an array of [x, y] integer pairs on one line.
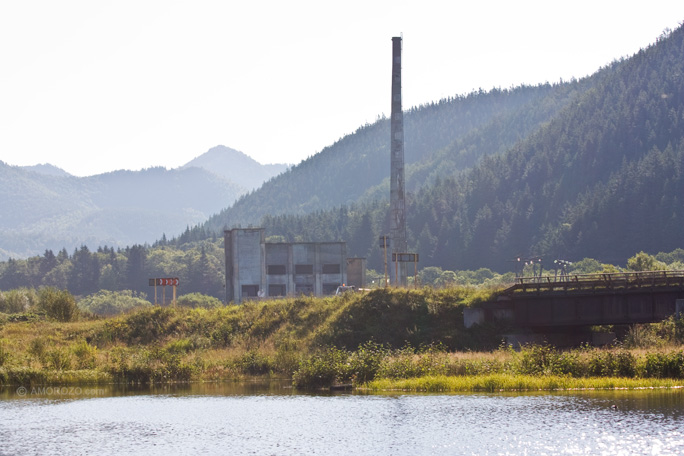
{"points": [[276, 290], [276, 269], [304, 269], [331, 269]]}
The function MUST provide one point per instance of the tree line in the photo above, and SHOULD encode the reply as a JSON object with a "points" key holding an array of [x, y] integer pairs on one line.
{"points": [[199, 266]]}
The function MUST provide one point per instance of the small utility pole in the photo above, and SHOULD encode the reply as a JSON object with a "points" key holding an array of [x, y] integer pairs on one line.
{"points": [[383, 243]]}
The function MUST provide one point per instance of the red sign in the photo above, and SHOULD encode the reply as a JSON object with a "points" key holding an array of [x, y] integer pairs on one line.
{"points": [[165, 282]]}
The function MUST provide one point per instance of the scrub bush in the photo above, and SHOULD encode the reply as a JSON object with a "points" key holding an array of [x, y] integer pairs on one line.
{"points": [[57, 304]]}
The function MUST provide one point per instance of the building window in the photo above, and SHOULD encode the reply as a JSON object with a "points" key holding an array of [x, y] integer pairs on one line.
{"points": [[276, 290], [250, 291], [304, 269], [276, 269], [331, 269]]}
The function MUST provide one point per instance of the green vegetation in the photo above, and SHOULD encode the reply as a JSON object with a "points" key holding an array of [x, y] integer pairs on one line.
{"points": [[198, 265], [413, 339], [108, 303], [506, 382], [435, 369]]}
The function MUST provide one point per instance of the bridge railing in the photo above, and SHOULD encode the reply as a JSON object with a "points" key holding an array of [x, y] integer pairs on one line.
{"points": [[586, 282]]}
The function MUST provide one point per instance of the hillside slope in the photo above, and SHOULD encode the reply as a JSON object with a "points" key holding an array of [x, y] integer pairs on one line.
{"points": [[121, 208], [353, 167], [602, 178]]}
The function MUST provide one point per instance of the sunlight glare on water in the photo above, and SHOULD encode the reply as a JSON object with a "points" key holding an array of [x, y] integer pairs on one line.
{"points": [[346, 424]]}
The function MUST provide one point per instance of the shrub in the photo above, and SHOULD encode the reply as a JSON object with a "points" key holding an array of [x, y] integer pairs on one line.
{"points": [[196, 300], [663, 365], [536, 360], [625, 364], [85, 355], [58, 359], [253, 363], [4, 352], [145, 366], [37, 349], [400, 364], [364, 363], [17, 301], [180, 346], [322, 370], [142, 327], [642, 336], [58, 304], [604, 363], [108, 303], [22, 376]]}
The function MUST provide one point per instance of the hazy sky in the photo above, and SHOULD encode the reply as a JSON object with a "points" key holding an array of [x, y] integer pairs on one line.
{"points": [[94, 86]]}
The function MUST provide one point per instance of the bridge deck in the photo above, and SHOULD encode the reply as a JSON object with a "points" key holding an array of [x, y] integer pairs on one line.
{"points": [[600, 283], [586, 300]]}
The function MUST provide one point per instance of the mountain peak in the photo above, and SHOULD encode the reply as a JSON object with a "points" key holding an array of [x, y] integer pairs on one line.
{"points": [[236, 166], [46, 169]]}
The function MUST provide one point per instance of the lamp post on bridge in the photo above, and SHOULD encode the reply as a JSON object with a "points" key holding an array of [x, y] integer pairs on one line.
{"points": [[563, 266]]}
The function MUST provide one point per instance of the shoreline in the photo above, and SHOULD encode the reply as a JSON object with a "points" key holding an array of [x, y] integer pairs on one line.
{"points": [[428, 383]]}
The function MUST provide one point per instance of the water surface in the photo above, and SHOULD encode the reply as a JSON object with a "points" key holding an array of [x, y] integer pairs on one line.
{"points": [[253, 419]]}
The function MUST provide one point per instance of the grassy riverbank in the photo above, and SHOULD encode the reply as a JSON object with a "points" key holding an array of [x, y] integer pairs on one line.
{"points": [[507, 382], [386, 339]]}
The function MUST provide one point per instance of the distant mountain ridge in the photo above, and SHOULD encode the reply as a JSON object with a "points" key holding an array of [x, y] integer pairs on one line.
{"points": [[44, 207], [46, 169]]}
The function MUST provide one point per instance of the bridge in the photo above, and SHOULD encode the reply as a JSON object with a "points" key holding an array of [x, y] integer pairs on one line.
{"points": [[552, 303]]}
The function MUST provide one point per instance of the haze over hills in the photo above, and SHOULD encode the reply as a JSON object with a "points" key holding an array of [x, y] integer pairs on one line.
{"points": [[581, 168], [44, 207]]}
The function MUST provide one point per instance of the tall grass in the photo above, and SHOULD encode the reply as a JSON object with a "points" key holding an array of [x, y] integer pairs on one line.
{"points": [[509, 382], [535, 361], [317, 342]]}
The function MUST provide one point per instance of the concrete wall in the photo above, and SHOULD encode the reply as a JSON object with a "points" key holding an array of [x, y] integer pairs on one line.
{"points": [[356, 272], [258, 269], [318, 268], [244, 263], [278, 269]]}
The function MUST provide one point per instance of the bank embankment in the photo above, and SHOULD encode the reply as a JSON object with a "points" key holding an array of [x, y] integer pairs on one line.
{"points": [[357, 339]]}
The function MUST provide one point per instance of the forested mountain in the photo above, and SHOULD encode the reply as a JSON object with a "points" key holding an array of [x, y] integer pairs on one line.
{"points": [[236, 167], [441, 139], [602, 178]]}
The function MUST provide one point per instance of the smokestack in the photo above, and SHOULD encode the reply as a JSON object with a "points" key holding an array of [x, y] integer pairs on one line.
{"points": [[397, 193]]}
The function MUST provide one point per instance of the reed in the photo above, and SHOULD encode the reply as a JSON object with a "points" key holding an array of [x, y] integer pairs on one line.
{"points": [[509, 382]]}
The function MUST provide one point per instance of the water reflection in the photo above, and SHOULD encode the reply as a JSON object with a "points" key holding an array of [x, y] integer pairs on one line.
{"points": [[274, 419]]}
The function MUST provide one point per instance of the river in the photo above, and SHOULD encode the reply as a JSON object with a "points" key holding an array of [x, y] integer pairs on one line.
{"points": [[275, 420]]}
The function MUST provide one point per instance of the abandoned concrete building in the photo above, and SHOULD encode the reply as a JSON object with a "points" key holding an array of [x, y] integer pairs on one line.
{"points": [[258, 269]]}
